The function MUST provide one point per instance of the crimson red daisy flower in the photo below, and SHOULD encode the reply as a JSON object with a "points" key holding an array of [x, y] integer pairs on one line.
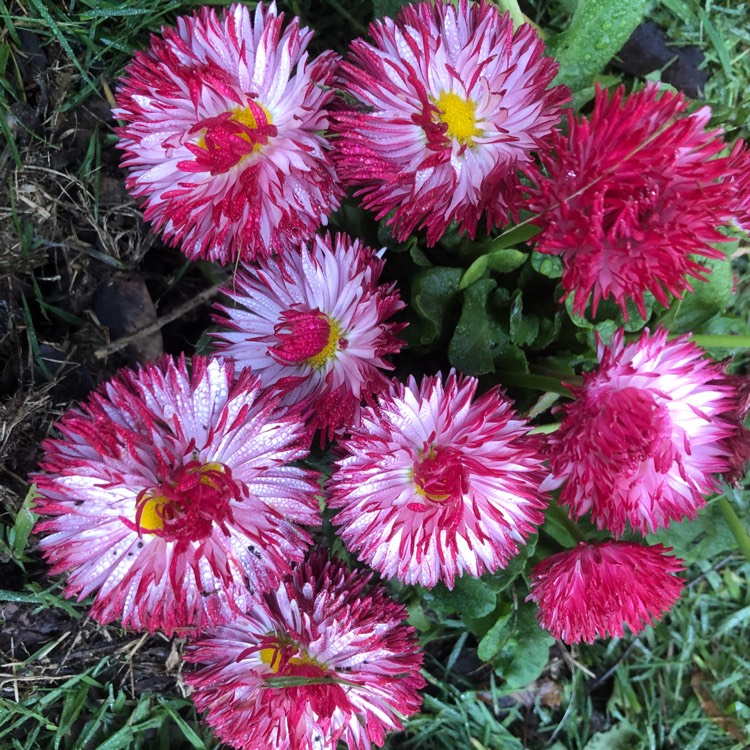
{"points": [[649, 434], [314, 325], [738, 183], [593, 590], [433, 485], [450, 102], [630, 196], [169, 491], [322, 659], [223, 140]]}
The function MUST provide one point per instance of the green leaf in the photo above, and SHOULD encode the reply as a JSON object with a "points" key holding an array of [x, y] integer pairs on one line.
{"points": [[515, 566], [706, 538], [597, 32], [523, 329], [474, 272], [418, 256], [550, 266], [472, 597], [496, 637], [511, 359], [557, 530], [478, 338], [707, 298], [502, 261], [25, 520], [549, 330], [526, 652], [507, 260], [432, 291], [388, 8]]}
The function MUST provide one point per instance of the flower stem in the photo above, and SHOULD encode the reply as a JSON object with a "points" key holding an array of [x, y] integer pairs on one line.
{"points": [[735, 526], [512, 7], [557, 515], [721, 342]]}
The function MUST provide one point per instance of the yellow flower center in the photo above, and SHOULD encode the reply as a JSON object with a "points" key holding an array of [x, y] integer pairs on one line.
{"points": [[152, 514], [243, 116], [271, 656], [154, 510], [459, 115], [329, 350]]}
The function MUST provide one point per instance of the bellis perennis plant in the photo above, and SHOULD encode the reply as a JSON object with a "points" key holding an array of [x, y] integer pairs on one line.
{"points": [[450, 102], [434, 485], [316, 326], [649, 434], [224, 115], [178, 496], [172, 498], [323, 658]]}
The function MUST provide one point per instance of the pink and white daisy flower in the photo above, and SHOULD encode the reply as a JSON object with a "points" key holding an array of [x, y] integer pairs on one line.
{"points": [[325, 658], [593, 590], [450, 103], [649, 434], [223, 117], [314, 324], [630, 196], [169, 492], [433, 485]]}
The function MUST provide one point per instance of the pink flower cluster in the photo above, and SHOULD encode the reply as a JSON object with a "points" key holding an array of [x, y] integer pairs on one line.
{"points": [[644, 442], [174, 496]]}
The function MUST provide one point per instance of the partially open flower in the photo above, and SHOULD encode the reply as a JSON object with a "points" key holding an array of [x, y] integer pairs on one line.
{"points": [[737, 184], [649, 434], [322, 659], [592, 591], [224, 116], [449, 103], [169, 492], [314, 324], [631, 198], [433, 485]]}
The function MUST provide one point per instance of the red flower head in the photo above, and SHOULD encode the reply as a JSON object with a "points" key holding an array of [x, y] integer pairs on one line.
{"points": [[314, 325], [169, 491], [450, 103], [593, 590], [434, 485], [322, 659], [224, 116], [628, 197], [648, 435], [738, 185]]}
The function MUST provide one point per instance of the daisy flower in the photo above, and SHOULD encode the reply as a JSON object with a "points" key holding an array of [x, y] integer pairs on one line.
{"points": [[649, 434], [738, 183], [314, 325], [433, 485], [593, 590], [631, 198], [324, 658], [223, 118], [450, 102], [170, 491]]}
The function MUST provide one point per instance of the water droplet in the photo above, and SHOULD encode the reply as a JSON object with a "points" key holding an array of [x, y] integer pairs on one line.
{"points": [[600, 44]]}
